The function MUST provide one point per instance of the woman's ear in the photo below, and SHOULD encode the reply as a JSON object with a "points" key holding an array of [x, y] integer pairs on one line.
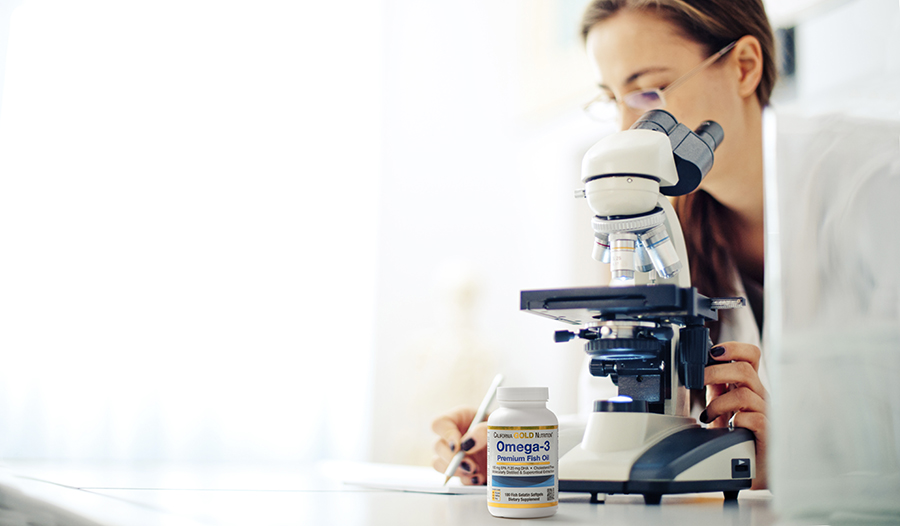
{"points": [[747, 55]]}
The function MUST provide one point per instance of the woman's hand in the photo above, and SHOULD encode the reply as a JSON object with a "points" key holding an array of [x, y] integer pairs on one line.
{"points": [[734, 389], [450, 428]]}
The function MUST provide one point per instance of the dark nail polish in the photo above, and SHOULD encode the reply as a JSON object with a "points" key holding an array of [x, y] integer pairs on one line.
{"points": [[466, 467], [453, 447], [717, 351], [704, 417], [468, 444], [474, 480]]}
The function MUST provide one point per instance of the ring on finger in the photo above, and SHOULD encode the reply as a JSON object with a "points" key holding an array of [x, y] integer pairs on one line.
{"points": [[731, 421]]}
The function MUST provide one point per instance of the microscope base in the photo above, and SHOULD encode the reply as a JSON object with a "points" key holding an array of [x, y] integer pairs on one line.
{"points": [[654, 490], [689, 460]]}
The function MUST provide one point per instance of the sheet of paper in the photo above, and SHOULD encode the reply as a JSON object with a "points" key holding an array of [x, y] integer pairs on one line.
{"points": [[418, 479]]}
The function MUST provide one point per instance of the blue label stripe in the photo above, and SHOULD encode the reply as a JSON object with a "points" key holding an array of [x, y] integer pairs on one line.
{"points": [[661, 241], [522, 482]]}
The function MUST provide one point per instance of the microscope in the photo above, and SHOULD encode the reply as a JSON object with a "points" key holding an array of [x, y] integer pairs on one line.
{"points": [[646, 329]]}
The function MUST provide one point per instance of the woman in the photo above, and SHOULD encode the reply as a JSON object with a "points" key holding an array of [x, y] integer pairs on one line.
{"points": [[641, 51]]}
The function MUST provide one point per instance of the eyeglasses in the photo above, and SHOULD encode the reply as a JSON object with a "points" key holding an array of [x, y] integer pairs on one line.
{"points": [[605, 108]]}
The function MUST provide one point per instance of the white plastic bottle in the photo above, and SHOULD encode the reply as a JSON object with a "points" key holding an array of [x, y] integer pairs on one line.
{"points": [[523, 455]]}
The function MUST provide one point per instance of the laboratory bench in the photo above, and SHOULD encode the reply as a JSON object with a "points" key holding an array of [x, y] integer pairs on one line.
{"points": [[136, 494]]}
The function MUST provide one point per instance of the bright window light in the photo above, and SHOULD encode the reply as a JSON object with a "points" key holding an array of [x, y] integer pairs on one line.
{"points": [[187, 266]]}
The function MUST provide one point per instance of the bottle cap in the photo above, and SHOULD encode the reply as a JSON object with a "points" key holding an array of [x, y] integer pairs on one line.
{"points": [[523, 394]]}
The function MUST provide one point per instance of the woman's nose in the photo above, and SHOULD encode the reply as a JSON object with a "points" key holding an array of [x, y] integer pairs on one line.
{"points": [[627, 117]]}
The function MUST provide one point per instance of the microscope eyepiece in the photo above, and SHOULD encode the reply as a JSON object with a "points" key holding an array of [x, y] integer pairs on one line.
{"points": [[711, 133], [656, 120], [693, 150]]}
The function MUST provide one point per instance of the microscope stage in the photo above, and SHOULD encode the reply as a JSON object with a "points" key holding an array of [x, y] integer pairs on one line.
{"points": [[581, 305]]}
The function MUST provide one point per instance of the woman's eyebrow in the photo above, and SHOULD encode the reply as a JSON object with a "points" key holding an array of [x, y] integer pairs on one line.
{"points": [[638, 74]]}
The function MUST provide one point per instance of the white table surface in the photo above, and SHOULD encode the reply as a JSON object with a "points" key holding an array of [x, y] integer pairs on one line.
{"points": [[289, 494]]}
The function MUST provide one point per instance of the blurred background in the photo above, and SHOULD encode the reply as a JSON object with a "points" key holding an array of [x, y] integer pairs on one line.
{"points": [[286, 230]]}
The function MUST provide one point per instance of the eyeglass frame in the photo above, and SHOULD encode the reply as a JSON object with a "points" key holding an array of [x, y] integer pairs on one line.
{"points": [[660, 92]]}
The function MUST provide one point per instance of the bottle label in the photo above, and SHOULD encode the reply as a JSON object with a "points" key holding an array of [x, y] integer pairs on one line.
{"points": [[522, 463]]}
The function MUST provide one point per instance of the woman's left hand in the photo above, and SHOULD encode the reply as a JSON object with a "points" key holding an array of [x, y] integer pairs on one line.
{"points": [[735, 390]]}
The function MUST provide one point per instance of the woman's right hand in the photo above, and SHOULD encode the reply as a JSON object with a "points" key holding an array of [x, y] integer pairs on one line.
{"points": [[451, 428]]}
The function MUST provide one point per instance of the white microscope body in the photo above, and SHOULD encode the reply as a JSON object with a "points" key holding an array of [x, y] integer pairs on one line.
{"points": [[646, 330], [640, 162]]}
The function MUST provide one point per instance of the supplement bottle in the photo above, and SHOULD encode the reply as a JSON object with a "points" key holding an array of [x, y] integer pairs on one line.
{"points": [[523, 438]]}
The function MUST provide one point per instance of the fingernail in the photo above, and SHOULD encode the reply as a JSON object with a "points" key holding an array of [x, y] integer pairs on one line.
{"points": [[717, 351], [468, 444], [453, 447], [474, 480], [466, 467], [704, 417]]}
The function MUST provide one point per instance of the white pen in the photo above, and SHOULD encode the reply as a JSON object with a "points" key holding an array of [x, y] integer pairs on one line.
{"points": [[479, 416]]}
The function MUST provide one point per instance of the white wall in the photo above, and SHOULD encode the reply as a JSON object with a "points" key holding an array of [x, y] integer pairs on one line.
{"points": [[218, 205], [848, 57], [483, 142]]}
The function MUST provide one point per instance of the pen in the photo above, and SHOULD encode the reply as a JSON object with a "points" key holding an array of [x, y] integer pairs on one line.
{"points": [[479, 416]]}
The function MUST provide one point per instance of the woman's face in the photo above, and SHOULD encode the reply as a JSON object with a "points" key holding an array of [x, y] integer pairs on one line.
{"points": [[635, 50]]}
